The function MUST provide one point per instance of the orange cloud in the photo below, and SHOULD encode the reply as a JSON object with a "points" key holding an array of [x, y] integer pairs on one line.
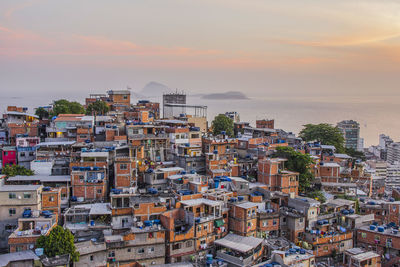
{"points": [[4, 29], [343, 41]]}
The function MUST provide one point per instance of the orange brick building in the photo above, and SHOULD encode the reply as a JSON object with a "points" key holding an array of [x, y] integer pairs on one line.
{"points": [[271, 172]]}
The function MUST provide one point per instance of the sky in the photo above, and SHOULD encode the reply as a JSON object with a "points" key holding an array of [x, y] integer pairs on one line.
{"points": [[347, 50]]}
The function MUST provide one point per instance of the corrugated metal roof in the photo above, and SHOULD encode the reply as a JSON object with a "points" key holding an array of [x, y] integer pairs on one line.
{"points": [[5, 259], [239, 243]]}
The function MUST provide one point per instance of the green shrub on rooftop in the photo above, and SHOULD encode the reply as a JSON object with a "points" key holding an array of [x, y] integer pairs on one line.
{"points": [[14, 170]]}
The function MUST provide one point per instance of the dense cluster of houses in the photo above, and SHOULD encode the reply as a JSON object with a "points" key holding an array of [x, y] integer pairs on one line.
{"points": [[139, 190]]}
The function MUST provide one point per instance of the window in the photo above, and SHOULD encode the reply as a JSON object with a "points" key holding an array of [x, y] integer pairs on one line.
{"points": [[274, 222], [27, 195], [91, 258], [265, 223], [111, 254], [363, 235], [12, 211], [326, 249], [188, 244], [301, 220], [160, 176], [129, 250], [176, 246], [51, 199], [9, 227], [141, 250], [125, 97], [377, 238], [151, 250], [99, 191], [31, 154], [22, 154], [197, 210], [123, 167], [150, 235], [12, 195], [205, 227]]}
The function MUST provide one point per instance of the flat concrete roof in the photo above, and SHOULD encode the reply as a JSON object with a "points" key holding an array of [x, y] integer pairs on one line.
{"points": [[239, 243]]}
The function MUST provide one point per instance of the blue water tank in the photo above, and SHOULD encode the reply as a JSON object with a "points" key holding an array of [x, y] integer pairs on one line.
{"points": [[381, 229], [209, 259], [39, 252]]}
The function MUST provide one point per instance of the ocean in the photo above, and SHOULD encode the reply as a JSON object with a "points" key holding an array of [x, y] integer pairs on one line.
{"points": [[376, 115]]}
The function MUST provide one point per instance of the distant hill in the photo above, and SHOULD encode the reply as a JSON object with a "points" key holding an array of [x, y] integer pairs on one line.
{"points": [[225, 96], [155, 89]]}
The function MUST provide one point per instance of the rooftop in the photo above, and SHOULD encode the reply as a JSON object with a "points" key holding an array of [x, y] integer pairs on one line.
{"points": [[6, 259], [96, 208], [239, 243], [14, 188], [365, 256], [246, 205], [199, 201], [41, 178], [21, 114], [330, 164], [56, 143]]}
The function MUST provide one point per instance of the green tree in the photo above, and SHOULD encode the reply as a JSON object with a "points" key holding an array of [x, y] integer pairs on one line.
{"points": [[59, 241], [222, 123], [318, 195], [15, 170], [63, 106], [324, 133], [355, 154], [357, 206], [98, 107], [297, 162], [42, 113]]}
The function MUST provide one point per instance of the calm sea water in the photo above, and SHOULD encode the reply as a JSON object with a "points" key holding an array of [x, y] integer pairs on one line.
{"points": [[375, 115]]}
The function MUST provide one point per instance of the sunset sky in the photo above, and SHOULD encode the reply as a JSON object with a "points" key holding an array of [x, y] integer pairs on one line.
{"points": [[325, 48]]}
